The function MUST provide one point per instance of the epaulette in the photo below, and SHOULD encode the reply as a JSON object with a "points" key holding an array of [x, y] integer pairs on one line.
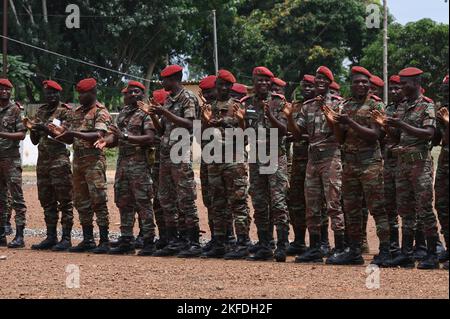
{"points": [[376, 98], [245, 98], [67, 106], [19, 105], [280, 96], [427, 99], [99, 105], [309, 101], [337, 97]]}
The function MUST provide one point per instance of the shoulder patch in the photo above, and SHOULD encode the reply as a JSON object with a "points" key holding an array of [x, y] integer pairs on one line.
{"points": [[99, 105]]}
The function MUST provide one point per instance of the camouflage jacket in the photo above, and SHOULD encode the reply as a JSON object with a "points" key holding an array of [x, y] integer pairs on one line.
{"points": [[389, 142], [11, 122]]}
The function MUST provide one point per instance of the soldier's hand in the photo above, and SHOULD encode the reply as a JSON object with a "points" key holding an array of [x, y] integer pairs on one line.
{"points": [[342, 119], [288, 110], [443, 115], [145, 107], [266, 108], [100, 143], [320, 100], [330, 115], [116, 131], [206, 112], [393, 121], [378, 118], [27, 123], [238, 112], [56, 130]]}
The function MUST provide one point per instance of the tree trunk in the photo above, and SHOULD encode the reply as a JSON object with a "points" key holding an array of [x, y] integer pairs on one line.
{"points": [[148, 76], [13, 9], [44, 10]]}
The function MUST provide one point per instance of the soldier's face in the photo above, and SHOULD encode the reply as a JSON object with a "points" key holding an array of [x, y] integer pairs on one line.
{"points": [[410, 85], [360, 85], [51, 96], [133, 95], [5, 93], [308, 90], [87, 98], [209, 95], [261, 84], [322, 84], [395, 92], [223, 89], [278, 89], [236, 96], [376, 90]]}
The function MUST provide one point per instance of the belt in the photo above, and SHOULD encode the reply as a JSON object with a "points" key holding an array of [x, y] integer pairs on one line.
{"points": [[412, 157], [131, 151], [361, 156], [317, 156], [87, 152]]}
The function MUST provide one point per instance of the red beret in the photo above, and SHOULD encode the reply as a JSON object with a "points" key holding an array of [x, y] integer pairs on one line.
{"points": [[309, 78], [49, 84], [394, 79], [6, 82], [279, 82], [160, 96], [326, 71], [377, 81], [171, 70], [239, 88], [86, 85], [262, 70], [208, 83], [136, 84], [335, 86], [226, 76], [124, 90], [410, 72], [445, 81], [361, 70]]}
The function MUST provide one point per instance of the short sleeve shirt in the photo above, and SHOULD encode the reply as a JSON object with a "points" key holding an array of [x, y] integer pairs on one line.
{"points": [[11, 122]]}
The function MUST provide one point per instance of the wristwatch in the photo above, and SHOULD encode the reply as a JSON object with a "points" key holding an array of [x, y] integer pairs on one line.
{"points": [[125, 136]]}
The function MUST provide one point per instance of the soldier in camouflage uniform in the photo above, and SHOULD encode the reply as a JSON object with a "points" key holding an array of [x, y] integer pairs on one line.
{"points": [[296, 193], [268, 190], [133, 134], [363, 168], [414, 126], [177, 188], [90, 122], [53, 171], [324, 169], [8, 227], [12, 131], [228, 181]]}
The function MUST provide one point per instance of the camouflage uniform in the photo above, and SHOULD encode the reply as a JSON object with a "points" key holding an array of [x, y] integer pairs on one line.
{"points": [[154, 165], [89, 166], [268, 191], [363, 174], [53, 171], [324, 170], [11, 165], [133, 182], [228, 182], [177, 188], [414, 178]]}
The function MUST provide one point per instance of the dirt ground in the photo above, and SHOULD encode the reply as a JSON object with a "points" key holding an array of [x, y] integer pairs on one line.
{"points": [[29, 274]]}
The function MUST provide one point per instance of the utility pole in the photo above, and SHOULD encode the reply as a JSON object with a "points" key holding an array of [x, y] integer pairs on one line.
{"points": [[385, 52], [5, 41], [216, 54]]}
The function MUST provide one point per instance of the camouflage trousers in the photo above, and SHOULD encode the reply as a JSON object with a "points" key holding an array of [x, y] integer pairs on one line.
{"points": [[133, 193], [177, 193], [268, 193], [229, 191], [11, 180], [54, 183], [9, 208], [296, 193], [89, 189], [414, 186], [442, 192], [206, 194], [157, 209], [390, 200], [364, 179], [324, 183]]}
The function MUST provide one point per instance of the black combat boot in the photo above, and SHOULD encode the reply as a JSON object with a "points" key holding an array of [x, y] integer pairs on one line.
{"points": [[149, 247], [264, 252], [325, 242], [18, 241], [298, 246], [48, 242], [395, 242], [3, 241], [217, 249], [209, 245], [170, 249], [8, 228], [406, 257], [272, 243], [420, 247], [431, 261], [339, 247], [443, 257], [350, 256], [240, 250], [66, 240], [139, 244], [116, 243], [126, 247], [383, 257], [88, 243], [445, 265], [230, 239], [103, 245], [313, 254], [193, 249], [162, 240], [282, 244]]}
